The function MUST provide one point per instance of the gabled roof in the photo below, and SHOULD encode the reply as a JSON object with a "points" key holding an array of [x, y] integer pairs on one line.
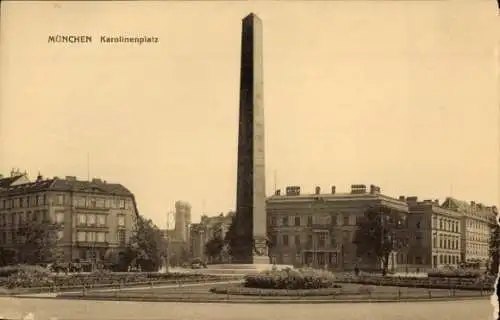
{"points": [[31, 187], [7, 182], [89, 187], [455, 204], [68, 185]]}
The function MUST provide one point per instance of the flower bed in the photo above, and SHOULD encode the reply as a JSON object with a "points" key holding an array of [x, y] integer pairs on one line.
{"points": [[455, 273], [246, 291], [291, 279], [432, 283], [25, 279]]}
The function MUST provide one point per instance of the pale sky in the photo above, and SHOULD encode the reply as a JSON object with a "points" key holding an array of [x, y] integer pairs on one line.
{"points": [[402, 94]]}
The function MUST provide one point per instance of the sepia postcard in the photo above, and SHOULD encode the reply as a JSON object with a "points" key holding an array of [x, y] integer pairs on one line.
{"points": [[182, 160]]}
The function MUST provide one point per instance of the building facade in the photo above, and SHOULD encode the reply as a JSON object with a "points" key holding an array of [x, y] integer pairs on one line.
{"points": [[207, 229], [318, 229], [476, 227], [435, 234], [95, 218]]}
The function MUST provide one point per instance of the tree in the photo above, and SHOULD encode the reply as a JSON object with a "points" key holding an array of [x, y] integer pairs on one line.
{"points": [[36, 242], [7, 256], [147, 245], [214, 246], [380, 232], [494, 244]]}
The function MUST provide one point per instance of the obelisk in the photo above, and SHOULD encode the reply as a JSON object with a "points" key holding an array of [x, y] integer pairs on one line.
{"points": [[251, 194]]}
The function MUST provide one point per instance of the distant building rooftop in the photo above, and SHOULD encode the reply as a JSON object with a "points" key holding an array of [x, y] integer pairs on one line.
{"points": [[67, 184]]}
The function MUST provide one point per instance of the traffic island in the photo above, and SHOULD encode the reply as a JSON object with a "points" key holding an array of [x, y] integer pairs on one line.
{"points": [[237, 293], [281, 286]]}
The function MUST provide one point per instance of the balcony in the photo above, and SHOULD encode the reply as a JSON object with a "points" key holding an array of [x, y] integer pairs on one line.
{"points": [[316, 227], [92, 244], [92, 227], [83, 209], [320, 246]]}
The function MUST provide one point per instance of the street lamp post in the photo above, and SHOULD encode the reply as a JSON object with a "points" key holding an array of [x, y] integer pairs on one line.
{"points": [[167, 238]]}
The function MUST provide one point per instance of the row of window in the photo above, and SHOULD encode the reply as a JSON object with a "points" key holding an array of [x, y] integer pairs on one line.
{"points": [[24, 202], [477, 249], [10, 237], [325, 220], [322, 240], [16, 218], [82, 236], [100, 203], [90, 254], [91, 236], [445, 242], [476, 236], [446, 224], [446, 259], [479, 225], [61, 199], [99, 220]]}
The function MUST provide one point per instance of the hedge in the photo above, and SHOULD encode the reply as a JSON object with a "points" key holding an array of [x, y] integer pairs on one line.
{"points": [[455, 273], [27, 279], [432, 283], [245, 291], [291, 279], [6, 271]]}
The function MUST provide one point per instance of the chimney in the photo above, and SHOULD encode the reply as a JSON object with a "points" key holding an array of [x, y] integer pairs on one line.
{"points": [[358, 188], [412, 199], [374, 189], [278, 192], [39, 177], [96, 180], [333, 189], [317, 190], [402, 198], [292, 190]]}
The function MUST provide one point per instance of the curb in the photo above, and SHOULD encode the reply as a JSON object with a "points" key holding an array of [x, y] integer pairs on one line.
{"points": [[258, 301], [51, 295], [130, 286]]}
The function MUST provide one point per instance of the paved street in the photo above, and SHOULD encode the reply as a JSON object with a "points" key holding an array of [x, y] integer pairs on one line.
{"points": [[44, 309]]}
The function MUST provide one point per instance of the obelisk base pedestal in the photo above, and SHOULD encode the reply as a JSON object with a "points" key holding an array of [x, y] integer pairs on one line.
{"points": [[241, 269], [261, 260]]}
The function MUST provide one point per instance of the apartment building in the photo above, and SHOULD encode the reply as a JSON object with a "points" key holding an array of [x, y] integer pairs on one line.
{"points": [[96, 218], [318, 229], [476, 226], [435, 234], [206, 229]]}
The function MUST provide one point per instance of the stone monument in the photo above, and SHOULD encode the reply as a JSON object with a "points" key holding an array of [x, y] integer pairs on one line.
{"points": [[251, 194], [249, 250]]}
